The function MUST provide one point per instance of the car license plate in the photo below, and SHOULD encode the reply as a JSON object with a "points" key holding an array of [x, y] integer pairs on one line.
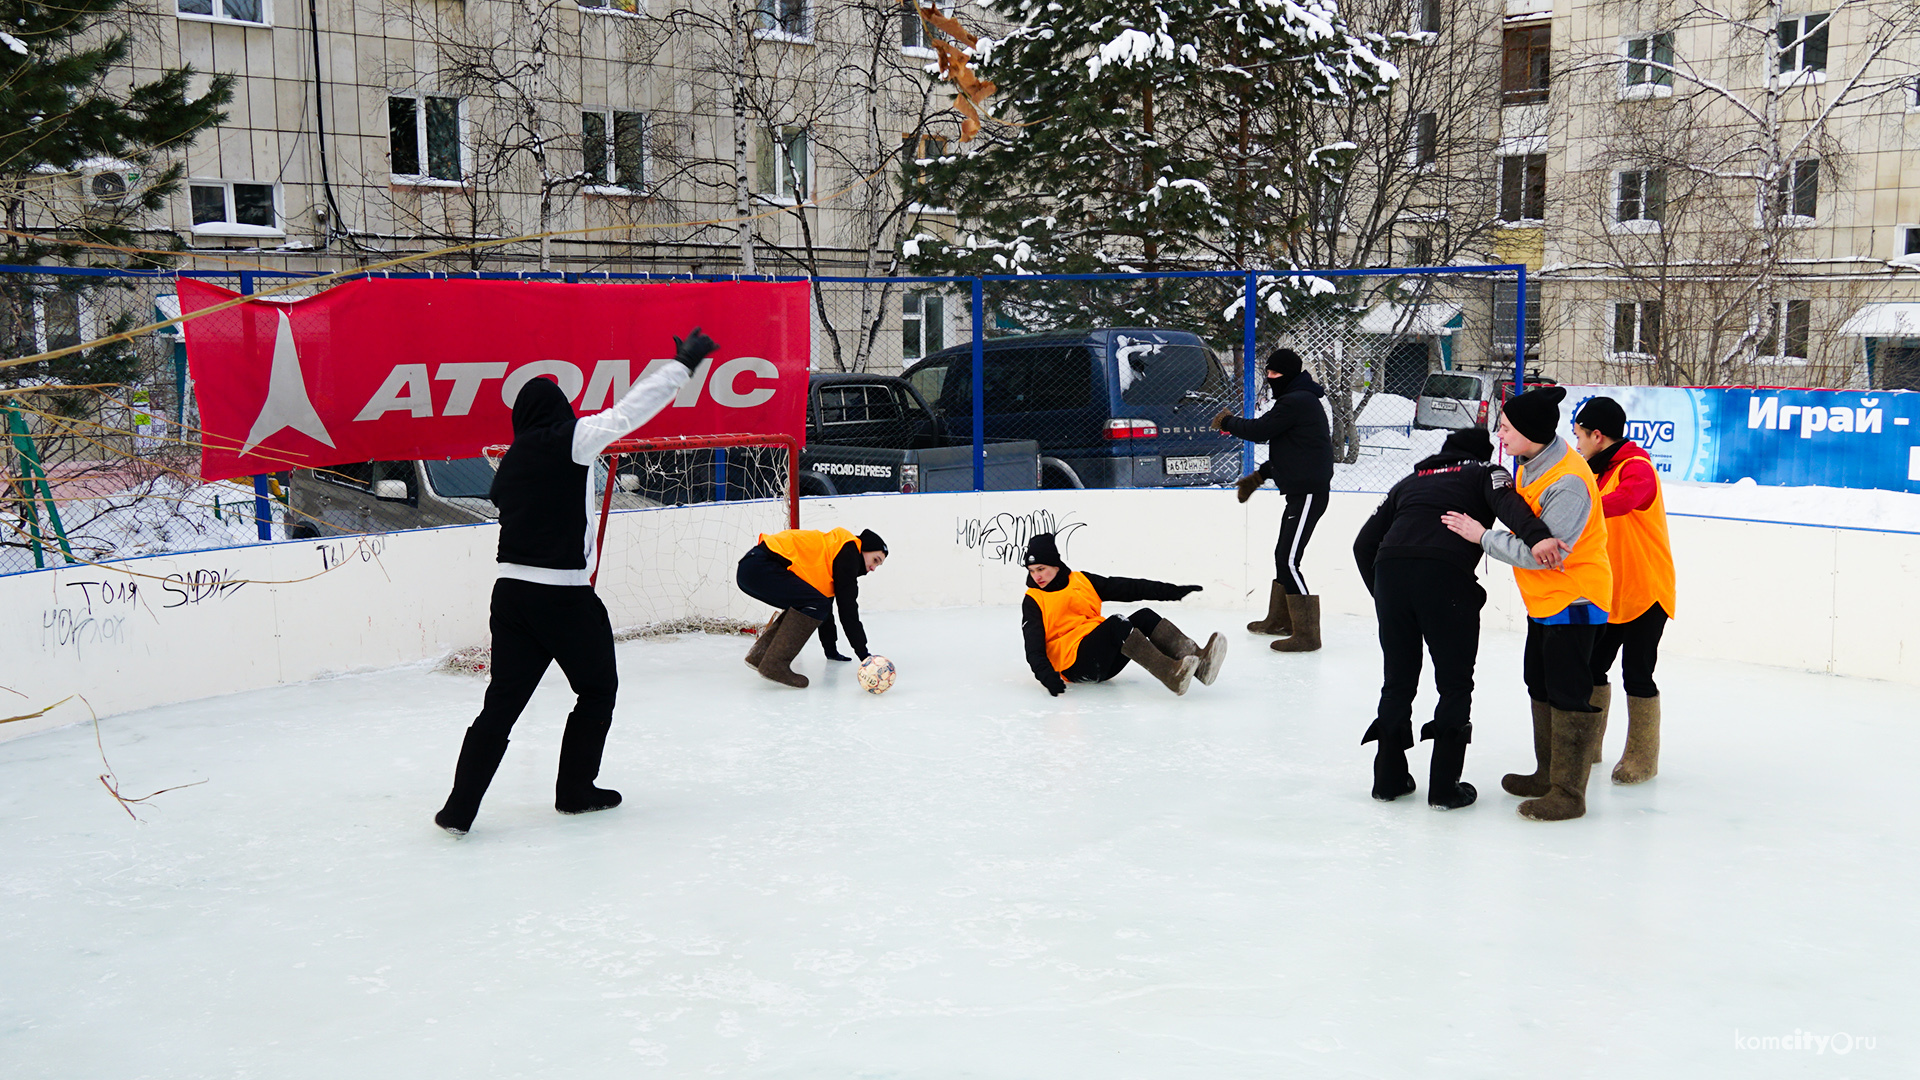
{"points": [[1189, 466]]}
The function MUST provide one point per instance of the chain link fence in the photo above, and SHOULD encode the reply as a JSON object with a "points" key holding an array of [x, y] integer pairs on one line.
{"points": [[1095, 381]]}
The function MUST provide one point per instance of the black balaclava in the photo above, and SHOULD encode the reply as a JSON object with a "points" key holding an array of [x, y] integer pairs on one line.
{"points": [[540, 404]]}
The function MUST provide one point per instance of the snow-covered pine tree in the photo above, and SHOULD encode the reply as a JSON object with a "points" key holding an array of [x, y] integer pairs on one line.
{"points": [[1145, 135]]}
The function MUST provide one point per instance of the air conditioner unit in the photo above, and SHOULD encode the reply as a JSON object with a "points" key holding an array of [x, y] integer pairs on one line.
{"points": [[110, 187]]}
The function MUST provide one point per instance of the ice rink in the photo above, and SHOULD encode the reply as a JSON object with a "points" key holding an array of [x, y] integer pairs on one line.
{"points": [[962, 878]]}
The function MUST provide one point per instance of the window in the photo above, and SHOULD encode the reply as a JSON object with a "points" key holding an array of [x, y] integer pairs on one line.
{"points": [[1636, 328], [1797, 194], [916, 35], [915, 152], [424, 131], [222, 208], [1523, 69], [630, 7], [1523, 187], [1803, 44], [1426, 16], [786, 165], [923, 326], [1426, 138], [1910, 240], [246, 11], [55, 319], [613, 148], [785, 18], [1913, 94], [1504, 310], [1796, 317], [1649, 59], [1423, 251], [1641, 195]]}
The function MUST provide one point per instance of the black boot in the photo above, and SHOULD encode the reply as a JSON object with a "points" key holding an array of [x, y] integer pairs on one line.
{"points": [[1391, 778], [580, 749], [479, 760], [1445, 789]]}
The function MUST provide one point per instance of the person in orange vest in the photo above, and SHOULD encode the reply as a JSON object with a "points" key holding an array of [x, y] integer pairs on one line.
{"points": [[1643, 580], [1068, 641], [1564, 606], [805, 573]]}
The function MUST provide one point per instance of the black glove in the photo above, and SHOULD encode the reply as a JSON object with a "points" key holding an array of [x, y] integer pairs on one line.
{"points": [[1057, 687], [1186, 590], [693, 350]]}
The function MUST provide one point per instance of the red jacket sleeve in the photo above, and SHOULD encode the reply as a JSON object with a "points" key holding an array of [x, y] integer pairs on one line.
{"points": [[1636, 489]]}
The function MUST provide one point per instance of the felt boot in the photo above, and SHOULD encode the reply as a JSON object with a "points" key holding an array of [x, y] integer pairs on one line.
{"points": [[1602, 699], [759, 647], [581, 746], [1391, 777], [1445, 789], [1573, 735], [792, 633], [1641, 761], [1535, 785], [1169, 639], [1175, 673], [1304, 613], [1278, 621], [479, 760]]}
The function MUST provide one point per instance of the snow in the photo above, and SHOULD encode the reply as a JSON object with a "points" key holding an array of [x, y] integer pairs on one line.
{"points": [[13, 43], [938, 883]]}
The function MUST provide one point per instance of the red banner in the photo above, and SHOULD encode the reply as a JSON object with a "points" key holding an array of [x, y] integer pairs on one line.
{"points": [[386, 370]]}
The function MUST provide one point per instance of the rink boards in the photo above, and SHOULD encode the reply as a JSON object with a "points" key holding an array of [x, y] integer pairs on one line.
{"points": [[176, 628]]}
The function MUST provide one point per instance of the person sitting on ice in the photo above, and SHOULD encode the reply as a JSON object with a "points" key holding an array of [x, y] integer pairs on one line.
{"points": [[1067, 640], [1564, 612], [805, 574], [544, 609]]}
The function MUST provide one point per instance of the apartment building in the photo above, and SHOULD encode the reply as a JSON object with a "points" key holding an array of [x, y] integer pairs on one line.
{"points": [[1712, 194]]}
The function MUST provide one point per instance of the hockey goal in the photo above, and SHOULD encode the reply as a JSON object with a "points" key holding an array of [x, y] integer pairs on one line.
{"points": [[676, 514]]}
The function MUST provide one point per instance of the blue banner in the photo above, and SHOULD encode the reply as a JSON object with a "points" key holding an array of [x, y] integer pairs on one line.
{"points": [[1789, 438]]}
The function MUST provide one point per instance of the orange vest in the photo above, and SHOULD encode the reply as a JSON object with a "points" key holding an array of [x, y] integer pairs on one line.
{"points": [[1638, 548], [1586, 574], [1069, 615], [811, 552]]}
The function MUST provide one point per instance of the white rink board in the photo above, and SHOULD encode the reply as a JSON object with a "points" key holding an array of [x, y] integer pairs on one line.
{"points": [[176, 628]]}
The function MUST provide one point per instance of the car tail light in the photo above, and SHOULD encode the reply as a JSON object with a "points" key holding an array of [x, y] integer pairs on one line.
{"points": [[1132, 429], [909, 479], [1482, 418]]}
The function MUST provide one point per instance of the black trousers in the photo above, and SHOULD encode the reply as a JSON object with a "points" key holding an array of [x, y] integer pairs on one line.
{"points": [[1100, 658], [1637, 643], [769, 579], [1558, 665], [536, 625], [1430, 602], [1296, 528]]}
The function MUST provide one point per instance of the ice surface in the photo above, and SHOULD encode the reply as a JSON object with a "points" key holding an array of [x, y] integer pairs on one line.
{"points": [[962, 878]]}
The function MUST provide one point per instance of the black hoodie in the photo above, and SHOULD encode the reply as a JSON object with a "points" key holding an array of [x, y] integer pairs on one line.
{"points": [[1407, 523], [1299, 444]]}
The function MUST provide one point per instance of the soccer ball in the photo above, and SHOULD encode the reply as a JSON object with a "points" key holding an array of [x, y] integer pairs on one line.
{"points": [[876, 674]]}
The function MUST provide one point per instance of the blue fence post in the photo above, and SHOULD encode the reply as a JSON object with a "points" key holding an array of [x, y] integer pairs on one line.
{"points": [[1520, 331], [1249, 384], [262, 497], [979, 387]]}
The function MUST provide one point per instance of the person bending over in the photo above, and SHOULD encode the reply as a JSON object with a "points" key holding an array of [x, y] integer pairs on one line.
{"points": [[544, 609], [805, 573], [1300, 463], [1563, 605], [1643, 581], [1421, 576], [1067, 640]]}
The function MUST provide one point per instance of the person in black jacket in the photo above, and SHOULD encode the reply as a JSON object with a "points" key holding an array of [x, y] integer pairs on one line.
{"points": [[1068, 641], [544, 609], [1421, 576], [1300, 463]]}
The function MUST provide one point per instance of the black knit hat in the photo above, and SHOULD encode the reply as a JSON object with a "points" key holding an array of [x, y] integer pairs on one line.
{"points": [[1536, 413], [1042, 549], [1604, 415], [1283, 362], [870, 541], [1474, 442]]}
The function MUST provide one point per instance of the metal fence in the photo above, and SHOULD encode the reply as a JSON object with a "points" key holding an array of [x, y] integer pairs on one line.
{"points": [[1036, 381]]}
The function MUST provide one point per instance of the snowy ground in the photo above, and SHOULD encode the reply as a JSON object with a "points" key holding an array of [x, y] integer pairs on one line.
{"points": [[963, 878]]}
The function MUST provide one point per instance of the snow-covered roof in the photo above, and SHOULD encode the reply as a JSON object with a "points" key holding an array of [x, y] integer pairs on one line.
{"points": [[1427, 320], [1884, 321]]}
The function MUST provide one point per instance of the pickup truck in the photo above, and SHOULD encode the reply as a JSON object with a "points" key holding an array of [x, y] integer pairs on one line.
{"points": [[875, 433]]}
